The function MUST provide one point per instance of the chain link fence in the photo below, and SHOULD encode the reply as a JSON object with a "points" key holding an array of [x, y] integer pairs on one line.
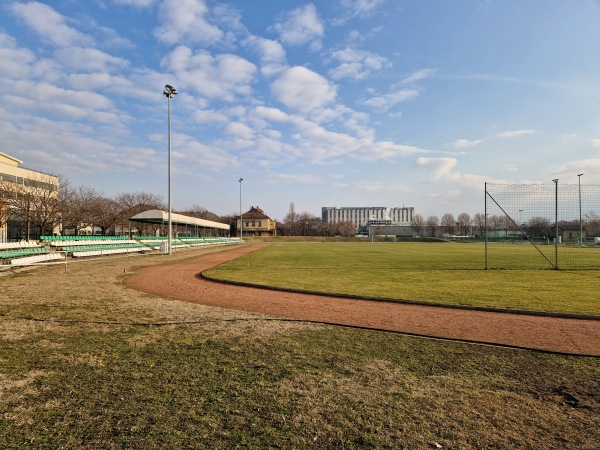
{"points": [[551, 226]]}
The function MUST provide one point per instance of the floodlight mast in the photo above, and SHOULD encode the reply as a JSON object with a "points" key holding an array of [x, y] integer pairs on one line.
{"points": [[241, 217], [579, 175], [169, 92]]}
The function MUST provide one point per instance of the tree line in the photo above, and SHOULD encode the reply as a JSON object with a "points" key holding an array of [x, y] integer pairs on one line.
{"points": [[43, 208]]}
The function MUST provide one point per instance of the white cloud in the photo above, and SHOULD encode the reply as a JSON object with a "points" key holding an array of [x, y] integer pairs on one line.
{"points": [[293, 178], [402, 91], [223, 76], [300, 26], [437, 167], [356, 8], [186, 21], [418, 76], [596, 143], [51, 26], [357, 64], [44, 97], [16, 62], [303, 90], [466, 143], [271, 53], [377, 186], [387, 101], [89, 59], [136, 3], [514, 134], [239, 130], [360, 8]]}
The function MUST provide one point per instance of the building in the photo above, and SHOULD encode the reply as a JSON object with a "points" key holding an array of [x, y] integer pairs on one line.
{"points": [[28, 201], [372, 219], [256, 223]]}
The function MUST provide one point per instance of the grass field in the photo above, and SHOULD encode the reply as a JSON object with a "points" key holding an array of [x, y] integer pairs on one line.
{"points": [[449, 273], [86, 363]]}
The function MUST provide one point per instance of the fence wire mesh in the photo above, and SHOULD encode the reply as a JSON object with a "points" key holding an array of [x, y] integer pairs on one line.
{"points": [[553, 226]]}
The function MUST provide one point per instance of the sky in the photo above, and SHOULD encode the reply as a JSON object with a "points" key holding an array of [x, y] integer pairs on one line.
{"points": [[346, 103]]}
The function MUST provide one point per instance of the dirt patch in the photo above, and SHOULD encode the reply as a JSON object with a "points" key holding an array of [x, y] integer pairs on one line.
{"points": [[179, 280]]}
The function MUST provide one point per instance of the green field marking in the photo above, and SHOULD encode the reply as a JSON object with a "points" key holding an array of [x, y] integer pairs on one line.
{"points": [[449, 273]]}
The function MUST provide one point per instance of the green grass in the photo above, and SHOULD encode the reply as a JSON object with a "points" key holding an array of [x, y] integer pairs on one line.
{"points": [[86, 364], [449, 273]]}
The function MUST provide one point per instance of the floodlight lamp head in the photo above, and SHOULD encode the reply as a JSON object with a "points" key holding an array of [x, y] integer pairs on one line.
{"points": [[555, 180], [579, 174], [169, 91], [241, 179]]}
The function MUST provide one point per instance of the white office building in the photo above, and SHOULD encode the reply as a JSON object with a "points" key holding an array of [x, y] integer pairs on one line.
{"points": [[366, 219]]}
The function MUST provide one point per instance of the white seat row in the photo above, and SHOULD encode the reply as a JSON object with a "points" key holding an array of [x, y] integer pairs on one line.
{"points": [[42, 257], [17, 245], [69, 243], [110, 251]]}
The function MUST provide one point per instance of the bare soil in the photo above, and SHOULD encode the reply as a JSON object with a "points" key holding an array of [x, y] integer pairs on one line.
{"points": [[180, 280]]}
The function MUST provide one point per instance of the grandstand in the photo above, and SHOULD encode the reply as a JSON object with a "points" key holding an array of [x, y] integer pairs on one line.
{"points": [[195, 233]]}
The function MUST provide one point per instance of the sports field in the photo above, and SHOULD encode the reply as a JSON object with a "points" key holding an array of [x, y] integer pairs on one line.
{"points": [[449, 273], [86, 363]]}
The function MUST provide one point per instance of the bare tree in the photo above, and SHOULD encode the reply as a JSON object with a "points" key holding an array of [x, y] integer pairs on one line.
{"points": [[346, 229], [496, 223], [78, 208], [291, 221], [104, 213], [448, 223], [327, 228], [432, 224], [6, 194], [307, 224], [479, 223], [36, 203], [132, 203], [418, 224], [539, 226], [464, 224]]}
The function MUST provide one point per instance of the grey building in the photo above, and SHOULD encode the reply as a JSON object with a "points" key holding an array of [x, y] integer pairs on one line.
{"points": [[372, 219]]}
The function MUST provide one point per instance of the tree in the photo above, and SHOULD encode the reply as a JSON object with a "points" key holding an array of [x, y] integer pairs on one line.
{"points": [[464, 224], [290, 221], [479, 223], [432, 225], [539, 226], [36, 203], [326, 228], [6, 194], [132, 203], [307, 224], [346, 229], [592, 224], [78, 207], [496, 223], [104, 213], [418, 224], [448, 223]]}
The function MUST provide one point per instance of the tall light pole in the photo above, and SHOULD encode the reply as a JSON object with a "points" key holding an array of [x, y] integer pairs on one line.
{"points": [[169, 92], [580, 222], [241, 217]]}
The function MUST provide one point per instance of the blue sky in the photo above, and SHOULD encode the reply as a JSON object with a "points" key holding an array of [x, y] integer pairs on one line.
{"points": [[329, 103]]}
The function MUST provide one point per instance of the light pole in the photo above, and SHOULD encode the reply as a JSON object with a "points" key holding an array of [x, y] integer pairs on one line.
{"points": [[241, 217], [169, 92], [520, 227], [580, 223]]}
